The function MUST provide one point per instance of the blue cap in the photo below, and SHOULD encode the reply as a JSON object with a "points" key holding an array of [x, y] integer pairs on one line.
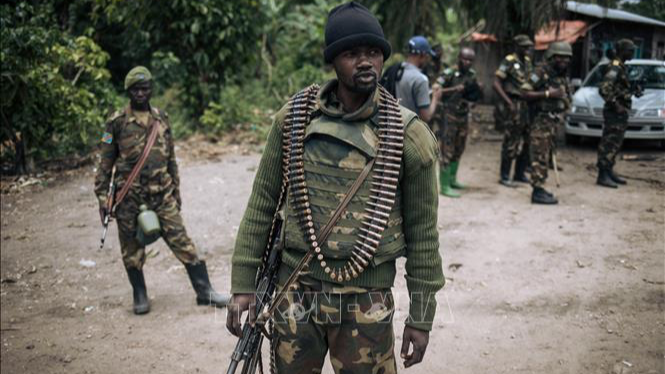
{"points": [[419, 45]]}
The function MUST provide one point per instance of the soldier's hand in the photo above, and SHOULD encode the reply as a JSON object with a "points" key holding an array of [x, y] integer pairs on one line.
{"points": [[511, 107], [459, 88], [240, 303], [436, 91], [419, 339], [557, 93]]}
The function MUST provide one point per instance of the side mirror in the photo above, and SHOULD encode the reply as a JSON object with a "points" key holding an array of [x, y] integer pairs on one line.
{"points": [[576, 83]]}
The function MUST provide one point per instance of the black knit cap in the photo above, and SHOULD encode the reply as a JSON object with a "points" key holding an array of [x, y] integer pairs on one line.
{"points": [[351, 25]]}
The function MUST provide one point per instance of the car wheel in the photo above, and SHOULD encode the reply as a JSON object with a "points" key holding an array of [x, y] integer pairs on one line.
{"points": [[573, 139]]}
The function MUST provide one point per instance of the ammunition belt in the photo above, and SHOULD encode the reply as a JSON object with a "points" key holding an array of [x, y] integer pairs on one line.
{"points": [[383, 191]]}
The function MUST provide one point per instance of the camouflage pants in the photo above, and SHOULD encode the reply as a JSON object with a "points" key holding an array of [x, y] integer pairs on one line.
{"points": [[541, 147], [173, 228], [452, 140], [516, 134], [354, 324], [613, 133]]}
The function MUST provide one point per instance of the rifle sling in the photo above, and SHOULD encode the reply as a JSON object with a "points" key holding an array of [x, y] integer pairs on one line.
{"points": [[152, 137], [323, 237]]}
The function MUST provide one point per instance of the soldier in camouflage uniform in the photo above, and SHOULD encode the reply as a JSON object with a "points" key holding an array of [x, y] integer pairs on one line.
{"points": [[349, 317], [513, 110], [459, 89], [157, 186], [616, 90], [548, 89]]}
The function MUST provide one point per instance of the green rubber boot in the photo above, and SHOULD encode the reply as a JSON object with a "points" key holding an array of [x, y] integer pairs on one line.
{"points": [[453, 176], [444, 180]]}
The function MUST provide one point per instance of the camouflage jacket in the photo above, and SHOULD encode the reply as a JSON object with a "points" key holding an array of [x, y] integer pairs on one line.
{"points": [[122, 145], [514, 73], [543, 78], [457, 103], [615, 87]]}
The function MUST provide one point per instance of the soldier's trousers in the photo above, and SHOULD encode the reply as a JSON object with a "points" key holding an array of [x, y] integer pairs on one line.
{"points": [[173, 228], [613, 133], [354, 324], [452, 140], [540, 147], [516, 136]]}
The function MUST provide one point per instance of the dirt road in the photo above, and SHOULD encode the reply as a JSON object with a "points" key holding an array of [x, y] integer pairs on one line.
{"points": [[574, 288]]}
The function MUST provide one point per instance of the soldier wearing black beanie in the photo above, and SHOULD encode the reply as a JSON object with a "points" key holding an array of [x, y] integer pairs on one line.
{"points": [[336, 135], [350, 25]]}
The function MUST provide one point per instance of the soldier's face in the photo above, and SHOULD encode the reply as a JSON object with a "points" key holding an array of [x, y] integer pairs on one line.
{"points": [[627, 53], [465, 60], [140, 93], [561, 62], [359, 68]]}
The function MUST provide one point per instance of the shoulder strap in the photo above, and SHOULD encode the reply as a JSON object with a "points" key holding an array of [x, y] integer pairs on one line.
{"points": [[152, 137]]}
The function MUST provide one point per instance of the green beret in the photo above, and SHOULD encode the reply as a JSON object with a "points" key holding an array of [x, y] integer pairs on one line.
{"points": [[136, 75], [625, 44], [523, 40]]}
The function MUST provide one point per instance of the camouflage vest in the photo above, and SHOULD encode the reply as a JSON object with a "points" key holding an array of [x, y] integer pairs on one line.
{"points": [[335, 152], [516, 73], [544, 78]]}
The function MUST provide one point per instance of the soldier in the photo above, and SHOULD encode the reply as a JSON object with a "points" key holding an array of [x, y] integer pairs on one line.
{"points": [[459, 88], [510, 76], [616, 90], [548, 88], [343, 302], [157, 186]]}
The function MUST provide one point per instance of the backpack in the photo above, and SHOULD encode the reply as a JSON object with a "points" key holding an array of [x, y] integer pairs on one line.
{"points": [[391, 76]]}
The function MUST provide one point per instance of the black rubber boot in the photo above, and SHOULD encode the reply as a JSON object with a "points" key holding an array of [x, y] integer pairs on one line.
{"points": [[540, 196], [141, 302], [506, 165], [205, 294], [617, 179], [520, 168], [604, 179]]}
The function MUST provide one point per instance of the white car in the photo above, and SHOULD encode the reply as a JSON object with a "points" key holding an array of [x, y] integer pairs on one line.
{"points": [[647, 116]]}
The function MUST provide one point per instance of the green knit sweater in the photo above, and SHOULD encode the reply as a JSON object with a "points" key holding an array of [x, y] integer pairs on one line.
{"points": [[424, 274]]}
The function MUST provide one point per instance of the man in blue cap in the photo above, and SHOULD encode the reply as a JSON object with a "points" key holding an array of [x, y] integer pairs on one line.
{"points": [[413, 89]]}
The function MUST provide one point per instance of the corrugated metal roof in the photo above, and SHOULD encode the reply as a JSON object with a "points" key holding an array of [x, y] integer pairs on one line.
{"points": [[593, 10]]}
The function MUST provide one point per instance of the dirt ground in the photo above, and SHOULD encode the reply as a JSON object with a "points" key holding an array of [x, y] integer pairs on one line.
{"points": [[573, 288]]}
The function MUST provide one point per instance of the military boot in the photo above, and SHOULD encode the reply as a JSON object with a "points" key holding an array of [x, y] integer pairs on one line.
{"points": [[604, 179], [520, 168], [506, 165], [141, 302], [444, 181], [617, 179], [454, 183], [205, 294], [540, 196]]}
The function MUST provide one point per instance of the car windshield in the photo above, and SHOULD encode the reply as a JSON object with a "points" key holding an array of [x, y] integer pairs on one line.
{"points": [[649, 76]]}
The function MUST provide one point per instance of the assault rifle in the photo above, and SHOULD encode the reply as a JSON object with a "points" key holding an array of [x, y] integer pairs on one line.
{"points": [[109, 207], [248, 348]]}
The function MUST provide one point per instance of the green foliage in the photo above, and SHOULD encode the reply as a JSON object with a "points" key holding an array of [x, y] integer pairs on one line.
{"points": [[196, 45], [291, 59], [56, 88]]}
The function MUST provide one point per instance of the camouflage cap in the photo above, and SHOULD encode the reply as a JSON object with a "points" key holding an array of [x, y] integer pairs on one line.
{"points": [[522, 40], [136, 75], [625, 44]]}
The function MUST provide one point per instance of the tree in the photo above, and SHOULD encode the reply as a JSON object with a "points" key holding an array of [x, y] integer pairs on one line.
{"points": [[55, 88]]}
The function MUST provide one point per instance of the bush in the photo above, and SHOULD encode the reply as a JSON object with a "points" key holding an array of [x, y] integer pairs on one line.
{"points": [[55, 88]]}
